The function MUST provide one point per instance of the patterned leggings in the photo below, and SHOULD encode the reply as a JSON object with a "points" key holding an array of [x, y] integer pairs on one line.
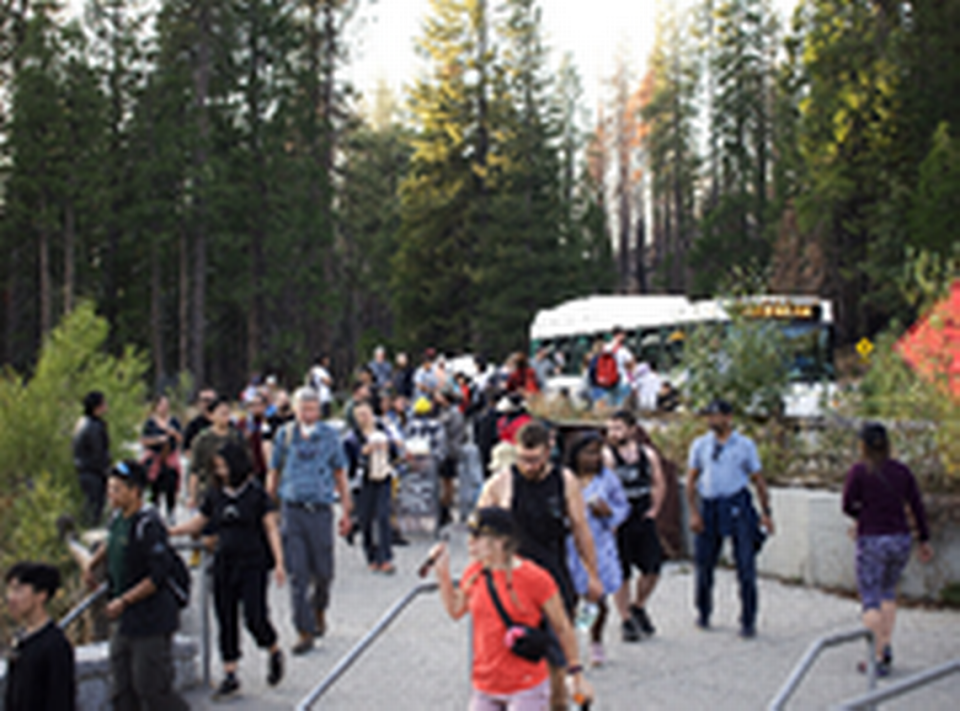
{"points": [[880, 561]]}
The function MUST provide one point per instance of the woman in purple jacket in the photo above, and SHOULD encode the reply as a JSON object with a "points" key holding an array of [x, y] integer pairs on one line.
{"points": [[876, 492]]}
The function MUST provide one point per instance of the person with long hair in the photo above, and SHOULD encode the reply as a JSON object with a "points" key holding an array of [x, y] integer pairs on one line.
{"points": [[877, 491], [161, 438], [503, 681], [607, 507], [248, 547]]}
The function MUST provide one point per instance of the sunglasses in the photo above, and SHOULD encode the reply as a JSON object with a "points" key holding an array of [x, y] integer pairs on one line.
{"points": [[717, 451], [122, 469]]}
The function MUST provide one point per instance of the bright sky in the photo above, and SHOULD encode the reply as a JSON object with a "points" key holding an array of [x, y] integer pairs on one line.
{"points": [[381, 38], [592, 31]]}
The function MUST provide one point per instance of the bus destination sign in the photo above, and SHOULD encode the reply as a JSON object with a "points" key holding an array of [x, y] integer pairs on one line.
{"points": [[782, 311]]}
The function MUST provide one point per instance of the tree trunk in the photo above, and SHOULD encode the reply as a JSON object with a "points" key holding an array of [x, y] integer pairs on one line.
{"points": [[156, 312], [201, 80], [46, 288], [183, 305], [69, 252]]}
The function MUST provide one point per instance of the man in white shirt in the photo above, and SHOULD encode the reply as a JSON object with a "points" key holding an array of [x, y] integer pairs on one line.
{"points": [[320, 379]]}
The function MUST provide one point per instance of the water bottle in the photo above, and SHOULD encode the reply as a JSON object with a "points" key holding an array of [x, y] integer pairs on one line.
{"points": [[586, 615]]}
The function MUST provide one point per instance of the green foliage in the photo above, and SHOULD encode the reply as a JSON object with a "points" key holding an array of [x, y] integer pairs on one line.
{"points": [[743, 361], [892, 391], [38, 415], [30, 525]]}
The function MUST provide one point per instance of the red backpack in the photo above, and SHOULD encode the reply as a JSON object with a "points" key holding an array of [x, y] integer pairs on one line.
{"points": [[607, 372]]}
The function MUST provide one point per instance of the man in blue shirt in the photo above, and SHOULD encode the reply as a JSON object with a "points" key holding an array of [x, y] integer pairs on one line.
{"points": [[722, 465], [307, 467]]}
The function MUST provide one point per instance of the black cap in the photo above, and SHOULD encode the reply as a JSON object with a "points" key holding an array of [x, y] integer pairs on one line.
{"points": [[132, 472], [491, 521], [719, 407]]}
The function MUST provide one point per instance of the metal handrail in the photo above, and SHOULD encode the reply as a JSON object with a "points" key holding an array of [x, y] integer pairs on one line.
{"points": [[74, 614], [813, 652], [872, 698], [360, 647]]}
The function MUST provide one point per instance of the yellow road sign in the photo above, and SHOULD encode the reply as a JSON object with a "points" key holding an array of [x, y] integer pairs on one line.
{"points": [[865, 348]]}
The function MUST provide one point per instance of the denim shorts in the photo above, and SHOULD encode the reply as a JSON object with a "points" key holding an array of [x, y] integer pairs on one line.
{"points": [[880, 562], [535, 699]]}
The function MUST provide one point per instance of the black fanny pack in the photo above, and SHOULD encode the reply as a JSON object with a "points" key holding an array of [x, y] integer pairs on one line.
{"points": [[530, 643]]}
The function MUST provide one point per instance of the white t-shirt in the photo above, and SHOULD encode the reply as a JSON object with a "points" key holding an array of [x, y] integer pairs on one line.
{"points": [[320, 380]]}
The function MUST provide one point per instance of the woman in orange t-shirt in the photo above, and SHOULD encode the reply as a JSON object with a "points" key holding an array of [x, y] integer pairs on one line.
{"points": [[503, 681]]}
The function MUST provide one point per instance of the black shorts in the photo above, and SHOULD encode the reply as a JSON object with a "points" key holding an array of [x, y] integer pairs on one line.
{"points": [[638, 545], [448, 469]]}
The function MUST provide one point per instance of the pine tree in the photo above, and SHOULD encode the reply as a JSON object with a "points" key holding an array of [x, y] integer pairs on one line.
{"points": [[671, 149]]}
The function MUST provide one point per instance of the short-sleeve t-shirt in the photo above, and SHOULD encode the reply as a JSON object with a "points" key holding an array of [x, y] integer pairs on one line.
{"points": [[725, 468], [497, 670], [238, 517]]}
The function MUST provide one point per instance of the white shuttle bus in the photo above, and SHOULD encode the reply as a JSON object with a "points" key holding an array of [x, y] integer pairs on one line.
{"points": [[657, 327]]}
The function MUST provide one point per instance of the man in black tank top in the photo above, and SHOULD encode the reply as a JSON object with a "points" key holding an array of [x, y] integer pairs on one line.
{"points": [[547, 504], [638, 543]]}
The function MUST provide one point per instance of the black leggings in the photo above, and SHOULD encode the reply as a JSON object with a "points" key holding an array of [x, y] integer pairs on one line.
{"points": [[165, 485], [247, 586]]}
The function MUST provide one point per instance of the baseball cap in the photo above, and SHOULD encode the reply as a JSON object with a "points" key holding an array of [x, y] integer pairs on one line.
{"points": [[719, 406], [491, 521], [131, 472]]}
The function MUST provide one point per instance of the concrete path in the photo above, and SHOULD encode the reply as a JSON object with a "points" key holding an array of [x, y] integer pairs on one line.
{"points": [[421, 662]]}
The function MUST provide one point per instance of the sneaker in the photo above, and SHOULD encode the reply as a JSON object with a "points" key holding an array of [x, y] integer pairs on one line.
{"points": [[642, 619], [702, 623], [387, 568], [397, 539], [748, 632], [228, 687], [883, 668], [275, 668], [303, 645], [631, 631], [597, 656], [888, 656]]}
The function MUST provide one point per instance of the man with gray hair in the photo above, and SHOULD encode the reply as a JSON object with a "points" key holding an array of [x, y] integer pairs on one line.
{"points": [[307, 469], [381, 369]]}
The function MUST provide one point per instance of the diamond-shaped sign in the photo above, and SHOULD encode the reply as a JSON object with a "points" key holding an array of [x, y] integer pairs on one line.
{"points": [[865, 348]]}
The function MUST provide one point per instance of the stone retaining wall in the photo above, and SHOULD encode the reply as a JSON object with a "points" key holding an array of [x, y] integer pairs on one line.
{"points": [[93, 672]]}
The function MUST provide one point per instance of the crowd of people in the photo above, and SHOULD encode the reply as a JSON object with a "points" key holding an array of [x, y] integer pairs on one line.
{"points": [[557, 531]]}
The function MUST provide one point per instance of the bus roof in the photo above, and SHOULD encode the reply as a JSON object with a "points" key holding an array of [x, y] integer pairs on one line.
{"points": [[601, 314]]}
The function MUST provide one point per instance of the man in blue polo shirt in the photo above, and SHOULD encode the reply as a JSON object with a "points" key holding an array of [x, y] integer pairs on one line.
{"points": [[307, 467], [722, 465]]}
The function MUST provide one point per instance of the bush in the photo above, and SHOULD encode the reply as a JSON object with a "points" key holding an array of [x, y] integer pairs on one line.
{"points": [[38, 415], [742, 361]]}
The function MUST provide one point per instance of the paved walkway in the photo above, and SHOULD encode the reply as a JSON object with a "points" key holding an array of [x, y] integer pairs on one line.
{"points": [[421, 663]]}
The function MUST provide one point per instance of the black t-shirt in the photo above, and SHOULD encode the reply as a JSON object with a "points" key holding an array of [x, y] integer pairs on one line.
{"points": [[274, 423], [539, 511], [151, 429], [238, 518], [40, 673], [636, 478], [197, 425]]}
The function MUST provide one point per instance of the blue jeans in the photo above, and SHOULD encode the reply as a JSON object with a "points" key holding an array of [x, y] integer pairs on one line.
{"points": [[724, 516], [373, 511]]}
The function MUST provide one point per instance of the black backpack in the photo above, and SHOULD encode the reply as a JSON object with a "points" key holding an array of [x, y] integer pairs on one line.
{"points": [[178, 575]]}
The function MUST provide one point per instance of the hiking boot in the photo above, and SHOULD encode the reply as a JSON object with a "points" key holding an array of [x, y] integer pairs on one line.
{"points": [[304, 644], [275, 668], [228, 687], [631, 631], [642, 619], [321, 619]]}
